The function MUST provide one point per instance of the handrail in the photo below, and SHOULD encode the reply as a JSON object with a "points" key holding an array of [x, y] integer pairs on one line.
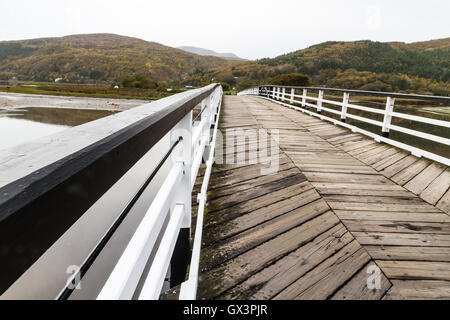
{"points": [[367, 92], [47, 185], [77, 276], [172, 202], [281, 95], [188, 290]]}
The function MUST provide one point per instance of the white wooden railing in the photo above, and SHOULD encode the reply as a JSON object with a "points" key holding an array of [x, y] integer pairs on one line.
{"points": [[290, 97], [173, 200]]}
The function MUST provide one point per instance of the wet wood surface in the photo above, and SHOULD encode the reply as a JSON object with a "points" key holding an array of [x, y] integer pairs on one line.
{"points": [[339, 205]]}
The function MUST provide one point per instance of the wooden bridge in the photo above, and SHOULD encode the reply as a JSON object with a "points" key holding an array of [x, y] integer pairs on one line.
{"points": [[288, 203], [340, 203]]}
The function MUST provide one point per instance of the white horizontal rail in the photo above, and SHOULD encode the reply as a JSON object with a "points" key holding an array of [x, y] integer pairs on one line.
{"points": [[124, 279], [435, 122], [172, 198], [420, 134], [386, 124], [155, 278]]}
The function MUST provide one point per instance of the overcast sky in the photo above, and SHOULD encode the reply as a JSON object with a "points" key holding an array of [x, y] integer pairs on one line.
{"points": [[248, 28]]}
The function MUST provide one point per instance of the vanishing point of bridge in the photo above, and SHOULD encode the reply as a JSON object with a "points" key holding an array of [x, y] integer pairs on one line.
{"points": [[293, 207]]}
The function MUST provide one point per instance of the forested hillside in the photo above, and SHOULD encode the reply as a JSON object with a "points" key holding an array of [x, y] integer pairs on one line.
{"points": [[417, 67], [99, 58], [421, 67]]}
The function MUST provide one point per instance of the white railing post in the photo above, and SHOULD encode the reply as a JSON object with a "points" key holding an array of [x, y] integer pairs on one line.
{"points": [[273, 92], [183, 155], [291, 100], [283, 93], [181, 198], [344, 106], [319, 101], [387, 116], [304, 97]]}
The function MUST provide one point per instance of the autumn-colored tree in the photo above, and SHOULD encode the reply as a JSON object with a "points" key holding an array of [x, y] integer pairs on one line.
{"points": [[291, 79]]}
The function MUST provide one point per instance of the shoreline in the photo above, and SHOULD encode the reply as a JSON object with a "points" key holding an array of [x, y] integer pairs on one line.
{"points": [[12, 101]]}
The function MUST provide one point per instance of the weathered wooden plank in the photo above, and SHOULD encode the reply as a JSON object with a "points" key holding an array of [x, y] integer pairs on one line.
{"points": [[402, 239], [335, 169], [273, 279], [423, 179], [436, 189], [242, 176], [231, 247], [357, 289], [349, 146], [410, 172], [366, 156], [326, 278], [216, 281], [420, 270], [222, 214], [399, 166], [392, 216], [344, 137], [357, 152], [322, 160], [232, 196], [409, 253], [444, 203], [389, 207], [359, 192], [381, 156], [229, 167], [217, 232], [419, 290], [346, 178], [386, 162], [360, 186], [409, 199], [397, 226]]}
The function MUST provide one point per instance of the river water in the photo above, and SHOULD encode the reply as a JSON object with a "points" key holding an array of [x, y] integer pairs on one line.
{"points": [[21, 125]]}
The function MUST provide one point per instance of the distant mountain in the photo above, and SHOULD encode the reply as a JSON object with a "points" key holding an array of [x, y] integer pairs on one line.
{"points": [[420, 67], [100, 58], [206, 52]]}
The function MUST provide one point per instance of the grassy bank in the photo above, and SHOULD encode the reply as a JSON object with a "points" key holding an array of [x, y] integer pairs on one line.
{"points": [[94, 91]]}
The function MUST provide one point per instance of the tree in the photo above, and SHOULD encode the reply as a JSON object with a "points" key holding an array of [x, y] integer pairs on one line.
{"points": [[291, 79], [138, 81], [225, 86]]}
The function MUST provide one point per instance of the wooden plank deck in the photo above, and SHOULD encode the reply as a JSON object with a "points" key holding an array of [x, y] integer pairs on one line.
{"points": [[338, 204]]}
